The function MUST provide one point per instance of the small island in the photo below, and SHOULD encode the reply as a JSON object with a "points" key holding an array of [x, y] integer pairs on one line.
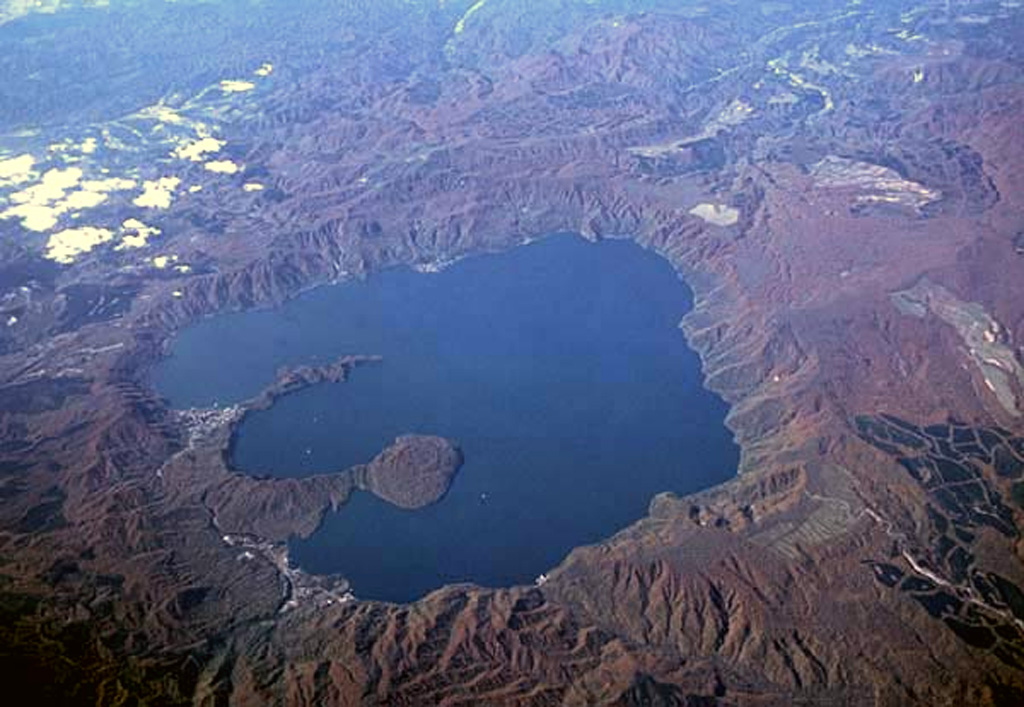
{"points": [[412, 472]]}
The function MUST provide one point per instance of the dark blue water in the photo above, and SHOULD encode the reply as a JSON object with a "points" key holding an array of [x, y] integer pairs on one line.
{"points": [[558, 367]]}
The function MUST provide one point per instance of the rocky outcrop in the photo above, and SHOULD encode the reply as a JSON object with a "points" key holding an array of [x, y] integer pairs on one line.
{"points": [[293, 379], [413, 472]]}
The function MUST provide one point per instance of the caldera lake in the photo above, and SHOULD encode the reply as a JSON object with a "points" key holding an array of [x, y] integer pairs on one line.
{"points": [[558, 367]]}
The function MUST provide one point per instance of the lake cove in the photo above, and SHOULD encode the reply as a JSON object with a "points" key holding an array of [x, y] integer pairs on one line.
{"points": [[558, 367]]}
